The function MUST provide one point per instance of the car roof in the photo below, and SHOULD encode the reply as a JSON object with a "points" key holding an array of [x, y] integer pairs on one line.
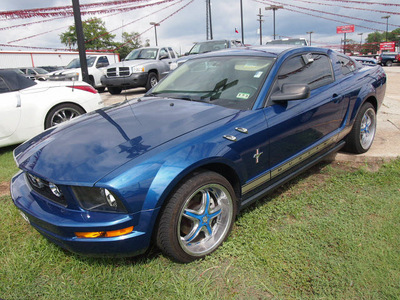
{"points": [[16, 81], [267, 51]]}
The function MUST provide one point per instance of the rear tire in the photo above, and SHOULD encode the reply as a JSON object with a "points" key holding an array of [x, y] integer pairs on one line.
{"points": [[62, 113], [389, 63], [362, 135], [197, 217]]}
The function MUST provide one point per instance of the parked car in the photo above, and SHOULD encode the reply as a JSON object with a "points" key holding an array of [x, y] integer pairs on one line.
{"points": [[204, 47], [28, 107], [96, 66], [365, 60], [142, 67], [36, 73], [178, 164], [287, 41], [388, 58], [51, 69]]}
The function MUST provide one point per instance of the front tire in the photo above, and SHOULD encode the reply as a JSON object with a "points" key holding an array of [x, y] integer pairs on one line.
{"points": [[114, 90], [152, 80], [197, 218], [62, 113], [389, 63], [363, 132]]}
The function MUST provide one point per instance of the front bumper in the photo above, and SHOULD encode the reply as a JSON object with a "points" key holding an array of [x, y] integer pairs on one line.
{"points": [[132, 81], [59, 224]]}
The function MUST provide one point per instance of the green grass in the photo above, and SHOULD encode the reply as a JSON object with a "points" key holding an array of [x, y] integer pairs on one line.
{"points": [[7, 164], [332, 234]]}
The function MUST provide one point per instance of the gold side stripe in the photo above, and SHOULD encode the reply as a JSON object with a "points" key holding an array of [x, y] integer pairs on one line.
{"points": [[286, 166]]}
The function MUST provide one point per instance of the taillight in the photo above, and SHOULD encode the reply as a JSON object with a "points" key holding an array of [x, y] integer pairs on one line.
{"points": [[87, 88]]}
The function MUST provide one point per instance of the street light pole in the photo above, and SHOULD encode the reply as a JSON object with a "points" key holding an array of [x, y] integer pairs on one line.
{"points": [[274, 8], [155, 30], [260, 20], [241, 20], [310, 32], [387, 25]]}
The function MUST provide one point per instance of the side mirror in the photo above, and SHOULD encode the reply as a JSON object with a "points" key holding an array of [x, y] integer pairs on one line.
{"points": [[291, 91], [101, 65]]}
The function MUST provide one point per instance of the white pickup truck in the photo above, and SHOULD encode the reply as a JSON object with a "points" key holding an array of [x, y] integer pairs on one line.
{"points": [[143, 67], [96, 68]]}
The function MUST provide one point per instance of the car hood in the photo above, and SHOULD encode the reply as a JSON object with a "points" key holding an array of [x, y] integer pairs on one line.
{"points": [[130, 63], [89, 147]]}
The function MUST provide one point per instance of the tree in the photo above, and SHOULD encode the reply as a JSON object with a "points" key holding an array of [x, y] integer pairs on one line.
{"points": [[130, 42], [95, 35]]}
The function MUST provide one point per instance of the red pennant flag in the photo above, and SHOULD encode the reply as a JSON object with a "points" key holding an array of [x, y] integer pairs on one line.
{"points": [[236, 30]]}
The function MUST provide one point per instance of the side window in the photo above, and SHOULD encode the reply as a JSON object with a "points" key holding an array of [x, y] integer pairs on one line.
{"points": [[312, 69], [23, 70], [171, 52], [3, 87], [163, 52], [347, 64], [31, 72]]}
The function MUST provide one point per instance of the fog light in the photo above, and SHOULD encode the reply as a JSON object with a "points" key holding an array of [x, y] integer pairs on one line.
{"points": [[55, 190], [96, 234]]}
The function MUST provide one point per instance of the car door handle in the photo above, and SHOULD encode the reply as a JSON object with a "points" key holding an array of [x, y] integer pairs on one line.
{"points": [[337, 98]]}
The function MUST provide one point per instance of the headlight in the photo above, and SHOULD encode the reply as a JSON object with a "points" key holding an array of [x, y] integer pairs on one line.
{"points": [[137, 69], [98, 199]]}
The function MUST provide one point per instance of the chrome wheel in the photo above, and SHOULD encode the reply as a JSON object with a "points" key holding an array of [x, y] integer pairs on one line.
{"points": [[197, 216], [153, 81], [205, 220], [367, 128], [63, 115]]}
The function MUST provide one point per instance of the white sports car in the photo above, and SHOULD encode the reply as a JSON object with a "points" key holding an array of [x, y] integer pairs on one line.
{"points": [[28, 107]]}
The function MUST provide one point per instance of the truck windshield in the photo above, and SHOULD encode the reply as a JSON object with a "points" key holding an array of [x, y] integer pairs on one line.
{"points": [[208, 47], [148, 53], [75, 63]]}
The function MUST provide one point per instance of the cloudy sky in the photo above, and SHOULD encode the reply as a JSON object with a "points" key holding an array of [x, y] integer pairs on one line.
{"points": [[181, 27]]}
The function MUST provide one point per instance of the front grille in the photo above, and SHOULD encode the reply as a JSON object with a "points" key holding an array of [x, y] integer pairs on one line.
{"points": [[41, 187], [116, 72], [124, 71]]}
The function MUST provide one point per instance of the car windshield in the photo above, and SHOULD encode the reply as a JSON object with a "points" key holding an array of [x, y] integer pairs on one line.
{"points": [[75, 63], [40, 71], [208, 47], [229, 81], [148, 53]]}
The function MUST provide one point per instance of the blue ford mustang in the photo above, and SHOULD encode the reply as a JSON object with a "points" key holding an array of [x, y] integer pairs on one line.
{"points": [[176, 165]]}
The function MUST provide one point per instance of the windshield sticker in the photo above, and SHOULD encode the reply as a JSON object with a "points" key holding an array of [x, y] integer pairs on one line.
{"points": [[258, 74], [243, 95]]}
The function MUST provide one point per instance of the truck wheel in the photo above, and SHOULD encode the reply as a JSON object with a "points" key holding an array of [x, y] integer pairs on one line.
{"points": [[389, 63], [114, 90], [152, 80]]}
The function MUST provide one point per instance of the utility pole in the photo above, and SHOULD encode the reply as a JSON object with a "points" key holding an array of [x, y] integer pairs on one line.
{"points": [[260, 20], [80, 40], [208, 21], [155, 24], [387, 25], [241, 20], [274, 8], [310, 33]]}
